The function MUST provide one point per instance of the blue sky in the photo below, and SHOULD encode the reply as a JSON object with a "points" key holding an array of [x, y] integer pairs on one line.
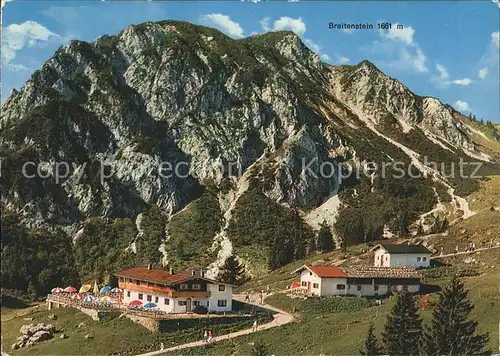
{"points": [[447, 49]]}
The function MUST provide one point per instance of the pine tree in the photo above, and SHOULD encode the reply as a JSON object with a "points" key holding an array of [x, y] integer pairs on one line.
{"points": [[371, 343], [420, 229], [450, 333], [232, 271], [325, 238], [403, 328], [444, 224], [259, 349]]}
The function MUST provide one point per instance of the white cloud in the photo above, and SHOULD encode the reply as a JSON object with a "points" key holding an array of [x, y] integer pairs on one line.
{"points": [[465, 81], [325, 57], [462, 106], [18, 36], [344, 60], [495, 38], [399, 50], [312, 45], [225, 24], [483, 73], [404, 35], [413, 60], [287, 23], [443, 73], [18, 67], [265, 24]]}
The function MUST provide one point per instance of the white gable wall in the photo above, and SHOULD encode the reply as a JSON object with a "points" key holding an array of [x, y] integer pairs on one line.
{"points": [[329, 286], [309, 278], [413, 260]]}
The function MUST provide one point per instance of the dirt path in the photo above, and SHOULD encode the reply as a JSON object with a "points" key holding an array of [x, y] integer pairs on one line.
{"points": [[464, 252], [280, 318]]}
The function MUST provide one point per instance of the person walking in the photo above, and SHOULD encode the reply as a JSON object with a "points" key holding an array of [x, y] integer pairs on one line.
{"points": [[456, 249], [261, 294], [209, 336], [247, 297], [254, 328], [205, 336]]}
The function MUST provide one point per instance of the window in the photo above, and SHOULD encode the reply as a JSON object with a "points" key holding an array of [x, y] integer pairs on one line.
{"points": [[222, 303], [208, 303], [386, 258], [156, 300], [222, 288], [137, 282], [315, 285], [149, 298], [304, 284], [128, 293], [418, 259], [340, 286], [166, 301], [359, 288], [375, 288], [183, 286], [196, 286], [140, 296], [182, 303], [378, 258], [196, 303], [424, 259], [310, 273]]}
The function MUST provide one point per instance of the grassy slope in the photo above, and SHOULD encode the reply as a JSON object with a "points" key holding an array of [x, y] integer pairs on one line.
{"points": [[342, 333], [119, 335]]}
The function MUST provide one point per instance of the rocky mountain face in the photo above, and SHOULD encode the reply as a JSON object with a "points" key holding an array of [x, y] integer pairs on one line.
{"points": [[259, 120]]}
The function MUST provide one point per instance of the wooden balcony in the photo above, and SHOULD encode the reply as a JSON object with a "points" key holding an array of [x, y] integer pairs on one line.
{"points": [[162, 291]]}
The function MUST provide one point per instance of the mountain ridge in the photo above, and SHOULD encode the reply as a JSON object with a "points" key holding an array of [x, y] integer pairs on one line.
{"points": [[191, 96]]}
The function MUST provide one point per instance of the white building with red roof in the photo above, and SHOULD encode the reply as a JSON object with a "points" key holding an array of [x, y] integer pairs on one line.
{"points": [[356, 280], [174, 292]]}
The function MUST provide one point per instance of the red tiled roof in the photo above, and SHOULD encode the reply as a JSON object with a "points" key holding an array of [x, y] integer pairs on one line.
{"points": [[153, 275], [328, 271]]}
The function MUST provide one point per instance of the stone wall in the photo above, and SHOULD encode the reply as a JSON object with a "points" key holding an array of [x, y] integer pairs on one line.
{"points": [[171, 325], [99, 315]]}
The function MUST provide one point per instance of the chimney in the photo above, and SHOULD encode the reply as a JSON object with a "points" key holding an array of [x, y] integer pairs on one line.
{"points": [[171, 270], [149, 266]]}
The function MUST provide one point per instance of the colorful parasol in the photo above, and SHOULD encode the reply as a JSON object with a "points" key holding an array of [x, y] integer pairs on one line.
{"points": [[85, 288], [135, 303], [95, 289], [295, 285], [77, 296], [89, 298], [105, 289], [106, 299], [70, 290], [150, 305], [57, 290], [116, 290]]}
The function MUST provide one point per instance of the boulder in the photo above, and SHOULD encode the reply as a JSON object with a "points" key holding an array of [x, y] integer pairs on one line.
{"points": [[27, 329], [88, 336], [63, 336], [41, 335], [81, 325], [15, 346]]}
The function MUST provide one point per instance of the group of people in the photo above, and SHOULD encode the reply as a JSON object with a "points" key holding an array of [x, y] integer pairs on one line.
{"points": [[207, 336], [261, 295]]}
